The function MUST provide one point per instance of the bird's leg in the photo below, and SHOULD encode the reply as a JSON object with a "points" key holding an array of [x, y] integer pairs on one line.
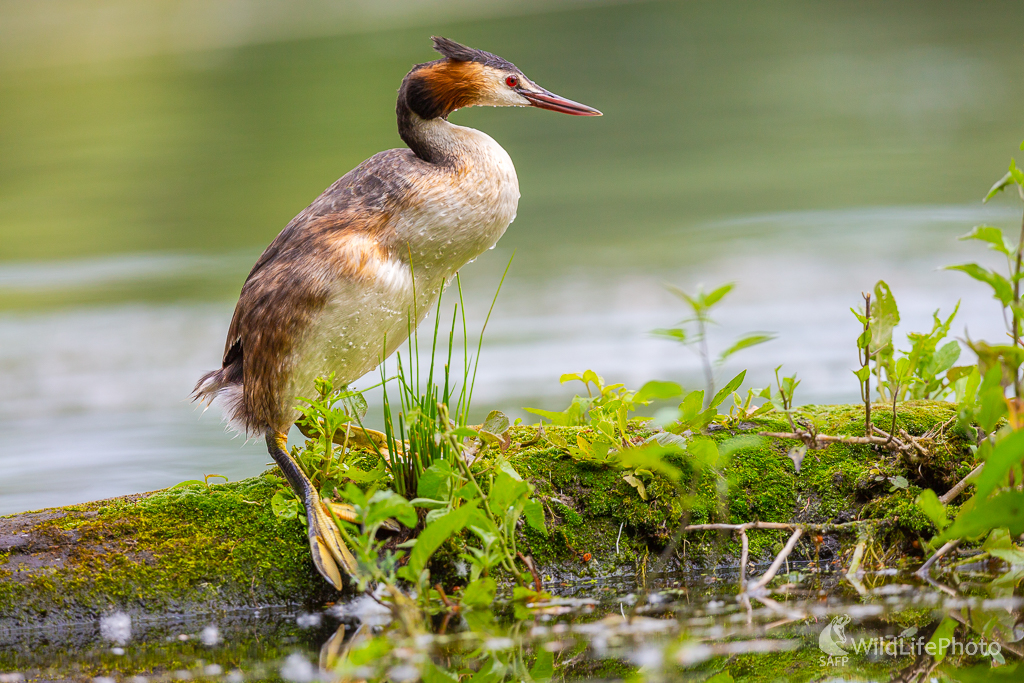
{"points": [[325, 543]]}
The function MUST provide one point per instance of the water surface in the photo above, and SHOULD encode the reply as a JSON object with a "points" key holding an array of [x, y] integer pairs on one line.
{"points": [[802, 150]]}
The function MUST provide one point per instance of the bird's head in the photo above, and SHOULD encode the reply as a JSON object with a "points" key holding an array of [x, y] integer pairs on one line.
{"points": [[466, 77]]}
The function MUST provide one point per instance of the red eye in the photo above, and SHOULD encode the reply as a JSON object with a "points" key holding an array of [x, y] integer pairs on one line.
{"points": [[512, 81]]}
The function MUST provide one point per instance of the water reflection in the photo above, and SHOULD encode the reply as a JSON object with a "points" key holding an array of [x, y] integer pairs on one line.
{"points": [[688, 630]]}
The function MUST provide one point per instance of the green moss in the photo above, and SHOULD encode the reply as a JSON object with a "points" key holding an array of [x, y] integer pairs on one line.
{"points": [[171, 550], [221, 545], [804, 664]]}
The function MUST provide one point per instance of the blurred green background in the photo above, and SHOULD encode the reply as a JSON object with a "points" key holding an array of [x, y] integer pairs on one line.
{"points": [[150, 149]]}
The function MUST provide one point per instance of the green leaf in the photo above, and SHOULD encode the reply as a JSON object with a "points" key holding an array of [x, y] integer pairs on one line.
{"points": [[704, 452], [999, 186], [480, 593], [435, 674], [745, 342], [732, 386], [557, 418], [1018, 176], [544, 668], [428, 503], [533, 511], [717, 295], [693, 303], [885, 316], [1001, 287], [435, 480], [991, 235], [942, 637], [366, 476], [899, 482], [387, 504], [492, 674], [675, 334], [284, 507], [187, 483], [945, 357], [656, 390], [651, 457], [505, 491], [436, 533], [999, 544], [496, 423], [930, 506], [637, 484], [1007, 453], [1004, 510], [355, 403]]}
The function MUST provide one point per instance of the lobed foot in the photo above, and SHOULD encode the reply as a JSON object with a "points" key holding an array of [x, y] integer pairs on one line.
{"points": [[330, 554]]}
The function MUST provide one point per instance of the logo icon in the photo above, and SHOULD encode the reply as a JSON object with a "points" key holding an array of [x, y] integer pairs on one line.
{"points": [[834, 636]]}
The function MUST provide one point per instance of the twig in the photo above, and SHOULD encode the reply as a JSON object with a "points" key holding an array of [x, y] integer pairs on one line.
{"points": [[951, 494], [744, 598], [528, 561], [815, 441], [851, 573], [913, 442], [786, 526], [444, 598], [745, 549], [779, 559], [617, 539], [925, 571]]}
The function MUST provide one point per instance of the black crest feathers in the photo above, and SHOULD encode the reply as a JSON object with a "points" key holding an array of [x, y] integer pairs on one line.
{"points": [[460, 53]]}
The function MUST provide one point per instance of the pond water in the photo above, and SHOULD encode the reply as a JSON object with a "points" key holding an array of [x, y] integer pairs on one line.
{"points": [[801, 150], [814, 627]]}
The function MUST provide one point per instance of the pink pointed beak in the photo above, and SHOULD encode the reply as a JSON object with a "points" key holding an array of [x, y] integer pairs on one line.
{"points": [[549, 100]]}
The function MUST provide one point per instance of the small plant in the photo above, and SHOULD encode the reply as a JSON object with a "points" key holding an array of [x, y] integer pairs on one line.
{"points": [[996, 510], [926, 371], [692, 332], [606, 410]]}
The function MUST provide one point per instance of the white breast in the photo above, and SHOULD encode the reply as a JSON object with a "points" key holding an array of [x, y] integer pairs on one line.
{"points": [[450, 218], [464, 209]]}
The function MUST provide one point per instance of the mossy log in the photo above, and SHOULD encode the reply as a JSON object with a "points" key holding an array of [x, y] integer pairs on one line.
{"points": [[211, 548]]}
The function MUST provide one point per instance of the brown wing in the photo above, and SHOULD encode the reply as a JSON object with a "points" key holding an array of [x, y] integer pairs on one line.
{"points": [[293, 279]]}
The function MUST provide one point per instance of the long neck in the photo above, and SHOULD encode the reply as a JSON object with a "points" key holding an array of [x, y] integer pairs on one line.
{"points": [[426, 137], [422, 111]]}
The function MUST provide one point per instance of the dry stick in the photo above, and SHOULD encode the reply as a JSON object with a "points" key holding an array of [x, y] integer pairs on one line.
{"points": [[851, 573], [743, 557], [744, 598], [813, 440], [780, 558], [951, 494], [925, 571], [785, 526], [913, 442], [528, 561]]}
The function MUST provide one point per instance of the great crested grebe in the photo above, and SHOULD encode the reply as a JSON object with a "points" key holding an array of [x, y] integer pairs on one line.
{"points": [[338, 281]]}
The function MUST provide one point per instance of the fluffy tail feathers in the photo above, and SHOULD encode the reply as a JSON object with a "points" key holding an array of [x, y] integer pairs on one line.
{"points": [[219, 387]]}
